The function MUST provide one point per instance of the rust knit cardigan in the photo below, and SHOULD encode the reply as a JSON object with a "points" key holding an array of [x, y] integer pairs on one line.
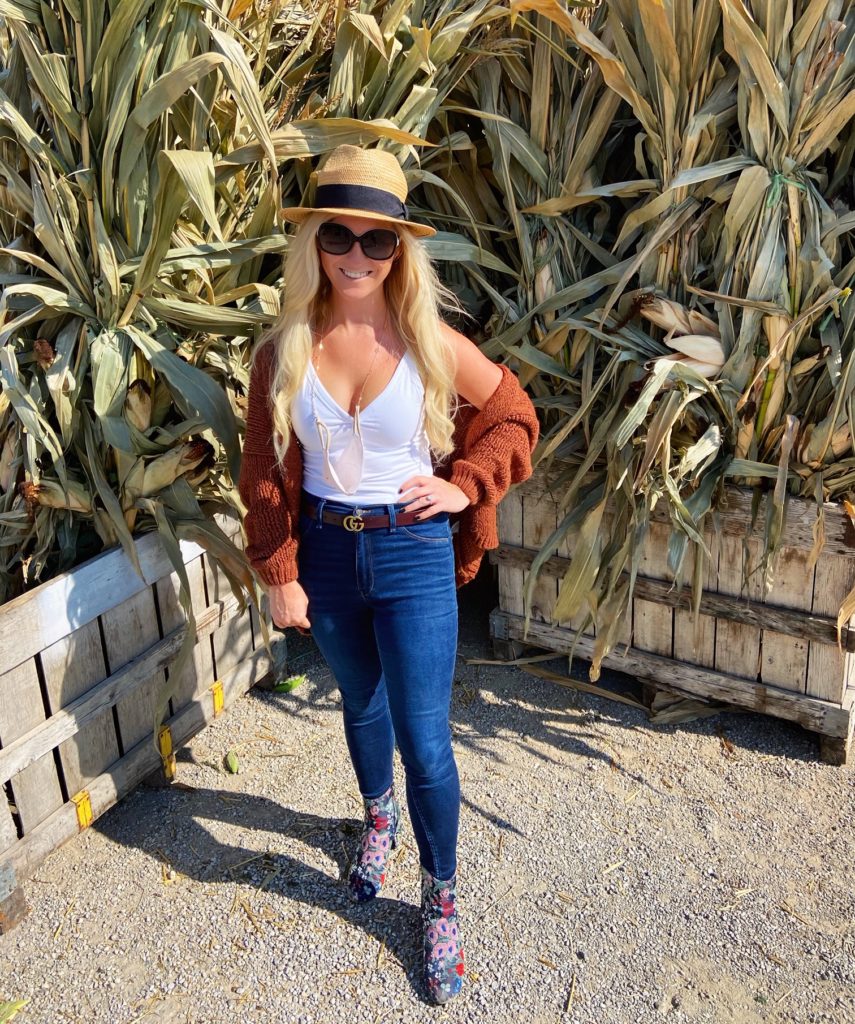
{"points": [[492, 450]]}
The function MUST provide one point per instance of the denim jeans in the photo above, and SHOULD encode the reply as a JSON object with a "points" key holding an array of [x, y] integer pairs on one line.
{"points": [[383, 611]]}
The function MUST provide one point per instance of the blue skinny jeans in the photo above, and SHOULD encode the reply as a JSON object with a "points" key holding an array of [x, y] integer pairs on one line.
{"points": [[383, 611]]}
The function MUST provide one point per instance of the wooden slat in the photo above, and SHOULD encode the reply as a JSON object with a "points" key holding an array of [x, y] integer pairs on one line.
{"points": [[62, 725], [232, 642], [55, 609], [36, 790], [129, 630], [19, 862], [510, 526], [58, 607], [820, 716], [8, 832], [735, 518], [737, 646], [827, 668], [71, 667], [199, 673], [784, 658], [697, 647], [653, 623], [539, 521], [815, 628]]}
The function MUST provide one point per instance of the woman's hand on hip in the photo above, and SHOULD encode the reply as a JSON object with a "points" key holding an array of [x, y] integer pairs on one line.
{"points": [[288, 605], [428, 495]]}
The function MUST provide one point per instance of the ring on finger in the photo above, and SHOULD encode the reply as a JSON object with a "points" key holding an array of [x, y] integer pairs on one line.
{"points": [[429, 499]]}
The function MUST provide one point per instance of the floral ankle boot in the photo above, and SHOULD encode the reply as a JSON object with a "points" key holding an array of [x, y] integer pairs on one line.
{"points": [[379, 838], [443, 943]]}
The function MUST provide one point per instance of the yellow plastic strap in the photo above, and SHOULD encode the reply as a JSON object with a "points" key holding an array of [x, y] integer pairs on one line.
{"points": [[165, 738], [84, 809], [217, 691]]}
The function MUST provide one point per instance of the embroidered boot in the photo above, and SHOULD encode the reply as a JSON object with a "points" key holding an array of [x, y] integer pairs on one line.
{"points": [[379, 838], [443, 943]]}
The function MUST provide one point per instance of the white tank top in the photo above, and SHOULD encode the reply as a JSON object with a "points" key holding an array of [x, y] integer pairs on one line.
{"points": [[394, 441]]}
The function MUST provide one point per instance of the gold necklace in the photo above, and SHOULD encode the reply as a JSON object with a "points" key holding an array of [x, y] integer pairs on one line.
{"points": [[346, 474], [317, 366]]}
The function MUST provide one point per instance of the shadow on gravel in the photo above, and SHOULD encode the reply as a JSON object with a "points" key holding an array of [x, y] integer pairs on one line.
{"points": [[169, 824], [540, 709]]}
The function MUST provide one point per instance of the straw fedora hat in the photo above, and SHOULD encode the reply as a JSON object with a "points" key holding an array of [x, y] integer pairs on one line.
{"points": [[367, 182]]}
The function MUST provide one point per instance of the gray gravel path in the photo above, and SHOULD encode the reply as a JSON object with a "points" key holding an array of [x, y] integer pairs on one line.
{"points": [[611, 873]]}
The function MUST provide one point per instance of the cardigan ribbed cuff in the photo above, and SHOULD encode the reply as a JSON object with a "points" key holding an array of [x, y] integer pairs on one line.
{"points": [[468, 482], [276, 572]]}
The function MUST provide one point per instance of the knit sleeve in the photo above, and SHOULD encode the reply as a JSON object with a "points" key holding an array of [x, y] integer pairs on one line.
{"points": [[498, 445], [271, 532]]}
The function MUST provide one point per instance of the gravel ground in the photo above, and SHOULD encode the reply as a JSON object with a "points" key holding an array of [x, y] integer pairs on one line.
{"points": [[611, 872]]}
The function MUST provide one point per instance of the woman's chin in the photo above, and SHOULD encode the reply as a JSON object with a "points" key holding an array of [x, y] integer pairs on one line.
{"points": [[364, 286]]}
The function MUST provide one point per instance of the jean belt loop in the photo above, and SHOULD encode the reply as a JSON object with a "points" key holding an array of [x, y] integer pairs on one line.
{"points": [[319, 512], [391, 509]]}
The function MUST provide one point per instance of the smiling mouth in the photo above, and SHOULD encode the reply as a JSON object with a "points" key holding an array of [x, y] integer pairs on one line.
{"points": [[355, 277]]}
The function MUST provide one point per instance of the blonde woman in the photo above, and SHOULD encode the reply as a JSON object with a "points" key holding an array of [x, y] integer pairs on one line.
{"points": [[372, 427]]}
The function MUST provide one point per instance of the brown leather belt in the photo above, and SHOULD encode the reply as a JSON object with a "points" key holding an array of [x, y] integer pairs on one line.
{"points": [[354, 522]]}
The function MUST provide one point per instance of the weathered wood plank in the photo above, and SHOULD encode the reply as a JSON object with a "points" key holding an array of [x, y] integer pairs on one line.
{"points": [[19, 862], [36, 790], [737, 646], [72, 666], [129, 630], [51, 611], [697, 647], [793, 623], [784, 658], [199, 673], [539, 516], [652, 622], [510, 526], [63, 724], [735, 518], [232, 642], [823, 717], [835, 750], [827, 668], [13, 906], [8, 831]]}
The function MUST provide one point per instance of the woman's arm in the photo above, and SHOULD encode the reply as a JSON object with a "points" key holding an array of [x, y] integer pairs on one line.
{"points": [[271, 544], [495, 447], [476, 377]]}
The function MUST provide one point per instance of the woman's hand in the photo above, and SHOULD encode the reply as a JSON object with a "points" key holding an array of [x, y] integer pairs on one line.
{"points": [[432, 494], [288, 605]]}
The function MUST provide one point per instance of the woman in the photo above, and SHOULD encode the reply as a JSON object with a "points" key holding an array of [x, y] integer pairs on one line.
{"points": [[357, 455]]}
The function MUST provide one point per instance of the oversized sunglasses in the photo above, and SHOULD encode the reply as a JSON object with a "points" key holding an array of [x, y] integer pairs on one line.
{"points": [[377, 244]]}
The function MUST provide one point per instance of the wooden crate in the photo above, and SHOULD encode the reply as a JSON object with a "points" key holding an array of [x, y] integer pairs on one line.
{"points": [[82, 659], [777, 655]]}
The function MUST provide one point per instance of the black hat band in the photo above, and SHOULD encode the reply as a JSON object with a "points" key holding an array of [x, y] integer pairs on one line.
{"points": [[361, 197]]}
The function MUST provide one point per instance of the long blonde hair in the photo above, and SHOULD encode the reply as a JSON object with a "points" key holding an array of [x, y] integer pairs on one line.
{"points": [[415, 298]]}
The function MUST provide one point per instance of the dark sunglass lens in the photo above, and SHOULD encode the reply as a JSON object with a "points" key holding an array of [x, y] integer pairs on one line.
{"points": [[335, 238], [379, 244]]}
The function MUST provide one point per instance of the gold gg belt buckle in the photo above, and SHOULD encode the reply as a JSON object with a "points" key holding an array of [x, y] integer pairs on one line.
{"points": [[354, 523]]}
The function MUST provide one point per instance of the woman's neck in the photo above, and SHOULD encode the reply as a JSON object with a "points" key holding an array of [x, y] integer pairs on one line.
{"points": [[369, 314]]}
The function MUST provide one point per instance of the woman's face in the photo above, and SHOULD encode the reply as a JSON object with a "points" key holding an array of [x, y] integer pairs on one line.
{"points": [[370, 274]]}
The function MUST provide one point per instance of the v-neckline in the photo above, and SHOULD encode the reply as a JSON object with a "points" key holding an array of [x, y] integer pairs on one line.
{"points": [[373, 401]]}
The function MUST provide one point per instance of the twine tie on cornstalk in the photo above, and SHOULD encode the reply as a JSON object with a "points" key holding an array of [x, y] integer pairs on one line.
{"points": [[777, 187]]}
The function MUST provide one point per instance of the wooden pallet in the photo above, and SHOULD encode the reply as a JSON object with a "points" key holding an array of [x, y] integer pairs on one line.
{"points": [[82, 659], [778, 655]]}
